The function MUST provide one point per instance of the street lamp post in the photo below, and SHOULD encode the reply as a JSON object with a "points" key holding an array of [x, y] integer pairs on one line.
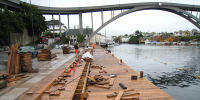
{"points": [[32, 25]]}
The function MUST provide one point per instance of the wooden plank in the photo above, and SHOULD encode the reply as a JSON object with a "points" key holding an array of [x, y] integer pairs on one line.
{"points": [[119, 95], [111, 81], [132, 98], [8, 65], [15, 75], [17, 64], [14, 79], [124, 95], [106, 87], [12, 53], [91, 78], [46, 86]]}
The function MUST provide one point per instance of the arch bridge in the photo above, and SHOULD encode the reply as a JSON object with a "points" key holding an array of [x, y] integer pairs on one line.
{"points": [[182, 10]]}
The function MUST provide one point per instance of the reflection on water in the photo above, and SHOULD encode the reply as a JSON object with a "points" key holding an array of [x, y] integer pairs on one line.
{"points": [[161, 66], [182, 79]]}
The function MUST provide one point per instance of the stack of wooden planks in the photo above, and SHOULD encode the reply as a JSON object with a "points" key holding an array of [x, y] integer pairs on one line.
{"points": [[45, 54], [25, 61], [13, 65], [66, 50]]}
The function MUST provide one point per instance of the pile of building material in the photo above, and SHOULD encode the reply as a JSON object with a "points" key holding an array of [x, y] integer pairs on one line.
{"points": [[66, 50], [25, 61], [13, 65], [44, 55]]}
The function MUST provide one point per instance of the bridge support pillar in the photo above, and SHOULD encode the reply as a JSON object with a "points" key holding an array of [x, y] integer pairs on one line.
{"points": [[80, 23], [102, 17], [60, 25], [68, 20], [53, 26], [92, 20]]}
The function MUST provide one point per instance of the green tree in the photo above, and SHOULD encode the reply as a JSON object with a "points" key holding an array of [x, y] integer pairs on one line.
{"points": [[10, 22], [39, 23], [171, 33], [137, 31], [18, 21], [195, 33], [66, 40], [80, 38], [134, 40], [126, 35], [116, 39]]}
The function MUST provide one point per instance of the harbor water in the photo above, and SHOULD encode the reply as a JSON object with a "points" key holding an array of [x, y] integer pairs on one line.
{"points": [[174, 69]]}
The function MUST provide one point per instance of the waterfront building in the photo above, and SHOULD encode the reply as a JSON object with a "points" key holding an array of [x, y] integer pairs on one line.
{"points": [[176, 33], [98, 38], [72, 33], [185, 33], [54, 26], [124, 39]]}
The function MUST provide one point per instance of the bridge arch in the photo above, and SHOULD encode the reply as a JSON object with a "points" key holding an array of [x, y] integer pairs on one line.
{"points": [[174, 10]]}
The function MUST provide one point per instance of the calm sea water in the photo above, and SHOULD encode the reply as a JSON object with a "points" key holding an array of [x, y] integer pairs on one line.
{"points": [[174, 69]]}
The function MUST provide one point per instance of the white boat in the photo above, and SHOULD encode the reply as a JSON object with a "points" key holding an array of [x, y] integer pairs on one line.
{"points": [[195, 43], [116, 44], [158, 43], [110, 44], [147, 41]]}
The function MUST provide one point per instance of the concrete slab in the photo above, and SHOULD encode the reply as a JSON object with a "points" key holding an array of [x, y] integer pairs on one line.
{"points": [[13, 94]]}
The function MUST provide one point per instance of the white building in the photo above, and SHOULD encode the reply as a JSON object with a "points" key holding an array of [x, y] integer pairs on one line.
{"points": [[72, 33], [124, 38], [176, 33], [98, 38], [56, 25]]}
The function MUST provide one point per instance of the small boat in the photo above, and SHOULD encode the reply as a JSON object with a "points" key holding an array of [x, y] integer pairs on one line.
{"points": [[195, 42], [116, 44], [153, 42], [158, 43], [110, 44]]}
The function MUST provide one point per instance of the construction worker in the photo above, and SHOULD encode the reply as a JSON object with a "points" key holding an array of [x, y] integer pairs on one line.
{"points": [[76, 48], [93, 45]]}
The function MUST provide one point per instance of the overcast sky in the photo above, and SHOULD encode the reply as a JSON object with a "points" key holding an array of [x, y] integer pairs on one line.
{"points": [[145, 20]]}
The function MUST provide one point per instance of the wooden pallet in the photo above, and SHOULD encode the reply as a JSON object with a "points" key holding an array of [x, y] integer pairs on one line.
{"points": [[66, 50]]}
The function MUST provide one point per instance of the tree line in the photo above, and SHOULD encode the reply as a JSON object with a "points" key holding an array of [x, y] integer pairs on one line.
{"points": [[12, 22]]}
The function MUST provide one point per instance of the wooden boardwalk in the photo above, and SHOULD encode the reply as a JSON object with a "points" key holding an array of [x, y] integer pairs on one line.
{"points": [[143, 89], [146, 90]]}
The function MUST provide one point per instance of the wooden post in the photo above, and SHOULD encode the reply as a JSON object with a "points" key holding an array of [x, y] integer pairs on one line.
{"points": [[141, 74]]}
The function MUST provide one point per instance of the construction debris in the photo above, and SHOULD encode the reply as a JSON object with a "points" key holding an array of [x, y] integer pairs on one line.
{"points": [[66, 50]]}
